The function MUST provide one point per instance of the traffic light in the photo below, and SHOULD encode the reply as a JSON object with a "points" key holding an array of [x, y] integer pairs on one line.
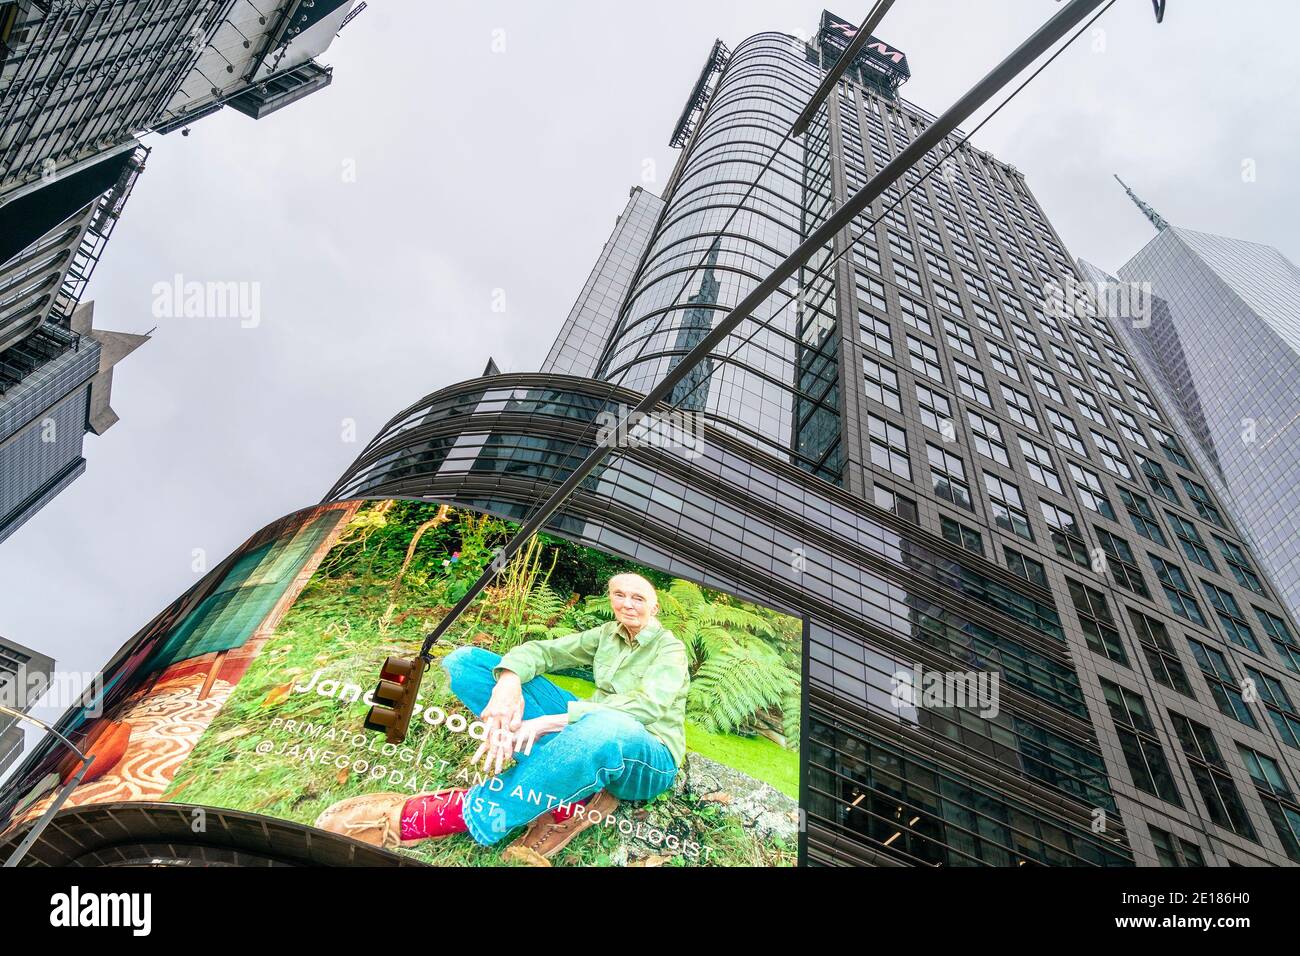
{"points": [[394, 696]]}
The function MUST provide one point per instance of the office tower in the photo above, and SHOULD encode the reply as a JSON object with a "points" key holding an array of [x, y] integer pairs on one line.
{"points": [[576, 348], [64, 394], [50, 242], [82, 80], [22, 672], [1224, 341], [938, 468], [55, 368]]}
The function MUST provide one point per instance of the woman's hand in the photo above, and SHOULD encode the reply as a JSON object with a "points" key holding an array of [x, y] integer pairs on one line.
{"points": [[503, 716]]}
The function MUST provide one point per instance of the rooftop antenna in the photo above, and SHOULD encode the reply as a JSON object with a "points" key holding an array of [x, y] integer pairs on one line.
{"points": [[1156, 219]]}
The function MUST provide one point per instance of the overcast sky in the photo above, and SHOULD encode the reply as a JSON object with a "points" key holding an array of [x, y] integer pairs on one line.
{"points": [[379, 217]]}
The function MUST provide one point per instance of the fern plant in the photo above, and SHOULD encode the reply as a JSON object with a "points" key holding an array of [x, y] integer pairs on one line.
{"points": [[738, 682]]}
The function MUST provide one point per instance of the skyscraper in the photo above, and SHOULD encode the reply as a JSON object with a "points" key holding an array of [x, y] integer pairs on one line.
{"points": [[918, 450], [83, 80], [45, 417], [56, 368], [21, 669], [1225, 342], [913, 450]]}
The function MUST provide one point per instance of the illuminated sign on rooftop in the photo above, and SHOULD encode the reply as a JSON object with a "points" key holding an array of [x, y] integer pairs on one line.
{"points": [[876, 55]]}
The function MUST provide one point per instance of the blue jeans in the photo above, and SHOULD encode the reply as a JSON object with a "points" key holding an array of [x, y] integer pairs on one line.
{"points": [[602, 750]]}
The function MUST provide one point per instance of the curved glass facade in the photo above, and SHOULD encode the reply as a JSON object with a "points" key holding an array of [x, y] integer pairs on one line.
{"points": [[723, 211], [880, 599]]}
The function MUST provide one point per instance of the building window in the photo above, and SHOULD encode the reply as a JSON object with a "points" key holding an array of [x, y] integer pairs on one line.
{"points": [[1002, 360], [900, 247], [875, 332], [867, 256], [924, 359], [1153, 637], [1106, 382], [988, 438], [881, 384], [936, 410], [959, 534], [988, 320], [1039, 462], [1129, 427], [1212, 778], [1121, 562], [1095, 619], [1235, 557], [1064, 431], [1111, 456], [1008, 507], [1193, 545], [1143, 401], [1177, 590], [1283, 812], [908, 277], [1019, 407], [1067, 361], [970, 382], [1090, 491], [1027, 342], [915, 314], [1142, 516], [1157, 479], [1029, 569], [1230, 617], [1173, 450], [1174, 851], [1222, 683], [1142, 750], [959, 337], [1087, 403], [889, 447], [937, 265], [977, 287], [1045, 383], [948, 299], [1120, 359], [872, 292], [1202, 501], [892, 501], [949, 477], [1066, 535], [1278, 706], [1283, 642]]}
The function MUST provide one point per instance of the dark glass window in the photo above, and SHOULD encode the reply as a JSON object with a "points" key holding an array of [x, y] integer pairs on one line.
{"points": [[1142, 751]]}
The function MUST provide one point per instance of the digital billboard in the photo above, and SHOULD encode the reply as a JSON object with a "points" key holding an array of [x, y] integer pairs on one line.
{"points": [[658, 720]]}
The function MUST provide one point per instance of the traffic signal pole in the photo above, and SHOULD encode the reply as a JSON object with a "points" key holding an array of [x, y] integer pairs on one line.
{"points": [[1025, 54]]}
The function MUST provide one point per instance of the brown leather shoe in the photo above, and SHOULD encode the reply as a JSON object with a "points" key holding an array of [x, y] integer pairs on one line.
{"points": [[546, 838], [373, 818]]}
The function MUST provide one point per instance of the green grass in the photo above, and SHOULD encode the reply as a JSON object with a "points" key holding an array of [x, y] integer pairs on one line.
{"points": [[758, 757]]}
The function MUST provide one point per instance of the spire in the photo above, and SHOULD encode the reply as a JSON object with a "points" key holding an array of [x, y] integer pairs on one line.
{"points": [[1156, 219]]}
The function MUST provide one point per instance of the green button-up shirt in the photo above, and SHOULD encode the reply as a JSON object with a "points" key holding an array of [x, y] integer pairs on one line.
{"points": [[645, 677]]}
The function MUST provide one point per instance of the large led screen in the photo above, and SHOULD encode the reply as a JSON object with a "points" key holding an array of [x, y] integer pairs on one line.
{"points": [[660, 723]]}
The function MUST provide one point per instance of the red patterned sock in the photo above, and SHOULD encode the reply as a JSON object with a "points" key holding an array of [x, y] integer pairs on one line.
{"points": [[566, 810], [433, 815]]}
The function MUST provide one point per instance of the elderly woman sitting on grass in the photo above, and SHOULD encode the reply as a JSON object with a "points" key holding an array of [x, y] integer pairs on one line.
{"points": [[575, 759]]}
